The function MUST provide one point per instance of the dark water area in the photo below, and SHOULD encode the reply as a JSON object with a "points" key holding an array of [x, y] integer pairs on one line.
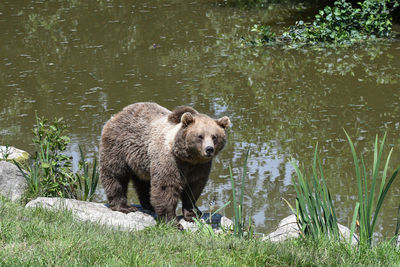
{"points": [[86, 60]]}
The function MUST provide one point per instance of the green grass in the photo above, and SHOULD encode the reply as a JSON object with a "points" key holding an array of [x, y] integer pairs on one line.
{"points": [[38, 237]]}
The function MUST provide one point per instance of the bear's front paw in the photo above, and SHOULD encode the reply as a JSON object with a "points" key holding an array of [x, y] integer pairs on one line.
{"points": [[188, 215]]}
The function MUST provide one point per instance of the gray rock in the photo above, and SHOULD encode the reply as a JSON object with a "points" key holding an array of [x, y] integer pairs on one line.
{"points": [[288, 228], [96, 213], [12, 153], [101, 214], [12, 182]]}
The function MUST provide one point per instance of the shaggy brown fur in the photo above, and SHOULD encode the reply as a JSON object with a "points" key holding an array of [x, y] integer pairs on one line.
{"points": [[168, 156]]}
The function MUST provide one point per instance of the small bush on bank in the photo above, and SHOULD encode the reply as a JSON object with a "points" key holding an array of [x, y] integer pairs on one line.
{"points": [[50, 174]]}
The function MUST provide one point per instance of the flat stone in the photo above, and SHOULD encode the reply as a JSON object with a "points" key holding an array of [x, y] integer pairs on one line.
{"points": [[288, 228], [101, 214], [96, 213], [12, 182], [11, 153]]}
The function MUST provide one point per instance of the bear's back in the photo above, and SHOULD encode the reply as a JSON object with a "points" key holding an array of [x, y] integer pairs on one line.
{"points": [[146, 111]]}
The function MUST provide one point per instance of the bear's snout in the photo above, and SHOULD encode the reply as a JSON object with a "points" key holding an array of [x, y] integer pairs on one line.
{"points": [[209, 151]]}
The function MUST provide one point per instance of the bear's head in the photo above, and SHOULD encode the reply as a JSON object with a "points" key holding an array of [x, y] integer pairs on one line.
{"points": [[200, 137]]}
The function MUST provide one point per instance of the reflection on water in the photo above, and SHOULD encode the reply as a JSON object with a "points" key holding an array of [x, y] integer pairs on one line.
{"points": [[85, 61]]}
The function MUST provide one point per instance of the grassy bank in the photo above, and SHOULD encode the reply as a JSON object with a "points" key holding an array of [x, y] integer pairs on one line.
{"points": [[37, 237]]}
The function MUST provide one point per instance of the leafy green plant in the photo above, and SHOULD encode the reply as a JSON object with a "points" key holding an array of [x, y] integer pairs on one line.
{"points": [[50, 173], [366, 210], [264, 35], [239, 220], [341, 24], [314, 207]]}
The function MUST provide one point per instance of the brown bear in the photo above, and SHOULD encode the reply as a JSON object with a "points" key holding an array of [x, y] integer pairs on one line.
{"points": [[166, 154]]}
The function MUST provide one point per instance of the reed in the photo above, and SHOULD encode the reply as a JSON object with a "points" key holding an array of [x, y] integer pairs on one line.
{"points": [[314, 207], [239, 220], [366, 211], [87, 181]]}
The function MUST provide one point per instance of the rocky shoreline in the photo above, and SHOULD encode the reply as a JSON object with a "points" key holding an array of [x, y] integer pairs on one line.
{"points": [[13, 186]]}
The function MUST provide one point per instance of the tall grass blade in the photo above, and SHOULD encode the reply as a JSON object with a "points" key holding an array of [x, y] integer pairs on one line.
{"points": [[235, 205], [368, 212], [354, 222], [382, 197], [244, 177], [238, 207]]}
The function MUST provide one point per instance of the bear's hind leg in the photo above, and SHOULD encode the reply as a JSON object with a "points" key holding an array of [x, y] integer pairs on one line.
{"points": [[143, 191], [116, 190]]}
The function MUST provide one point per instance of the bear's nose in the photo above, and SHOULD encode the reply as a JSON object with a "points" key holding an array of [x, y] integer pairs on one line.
{"points": [[209, 150]]}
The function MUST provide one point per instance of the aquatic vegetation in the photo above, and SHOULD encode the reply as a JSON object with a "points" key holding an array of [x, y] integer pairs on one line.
{"points": [[365, 209], [341, 24], [314, 207], [239, 228], [87, 181]]}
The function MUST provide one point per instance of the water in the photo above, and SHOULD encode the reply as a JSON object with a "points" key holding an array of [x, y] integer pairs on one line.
{"points": [[85, 61]]}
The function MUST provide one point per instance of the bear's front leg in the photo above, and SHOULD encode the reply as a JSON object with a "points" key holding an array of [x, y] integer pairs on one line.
{"points": [[190, 195], [164, 198]]}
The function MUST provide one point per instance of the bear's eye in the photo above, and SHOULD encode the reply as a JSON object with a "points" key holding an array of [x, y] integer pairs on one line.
{"points": [[214, 137], [200, 137]]}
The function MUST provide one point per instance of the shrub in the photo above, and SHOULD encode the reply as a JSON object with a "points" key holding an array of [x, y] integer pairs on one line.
{"points": [[50, 173]]}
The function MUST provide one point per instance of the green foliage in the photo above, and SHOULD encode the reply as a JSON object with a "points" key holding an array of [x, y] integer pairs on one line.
{"points": [[5, 152], [341, 24], [264, 35], [314, 207], [50, 173], [366, 210], [205, 226], [87, 181]]}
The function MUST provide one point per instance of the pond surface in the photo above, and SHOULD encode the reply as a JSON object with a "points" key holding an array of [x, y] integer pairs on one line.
{"points": [[86, 60]]}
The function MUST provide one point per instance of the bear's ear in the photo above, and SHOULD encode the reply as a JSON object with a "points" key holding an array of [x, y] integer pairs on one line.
{"points": [[224, 122], [186, 119], [176, 115]]}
